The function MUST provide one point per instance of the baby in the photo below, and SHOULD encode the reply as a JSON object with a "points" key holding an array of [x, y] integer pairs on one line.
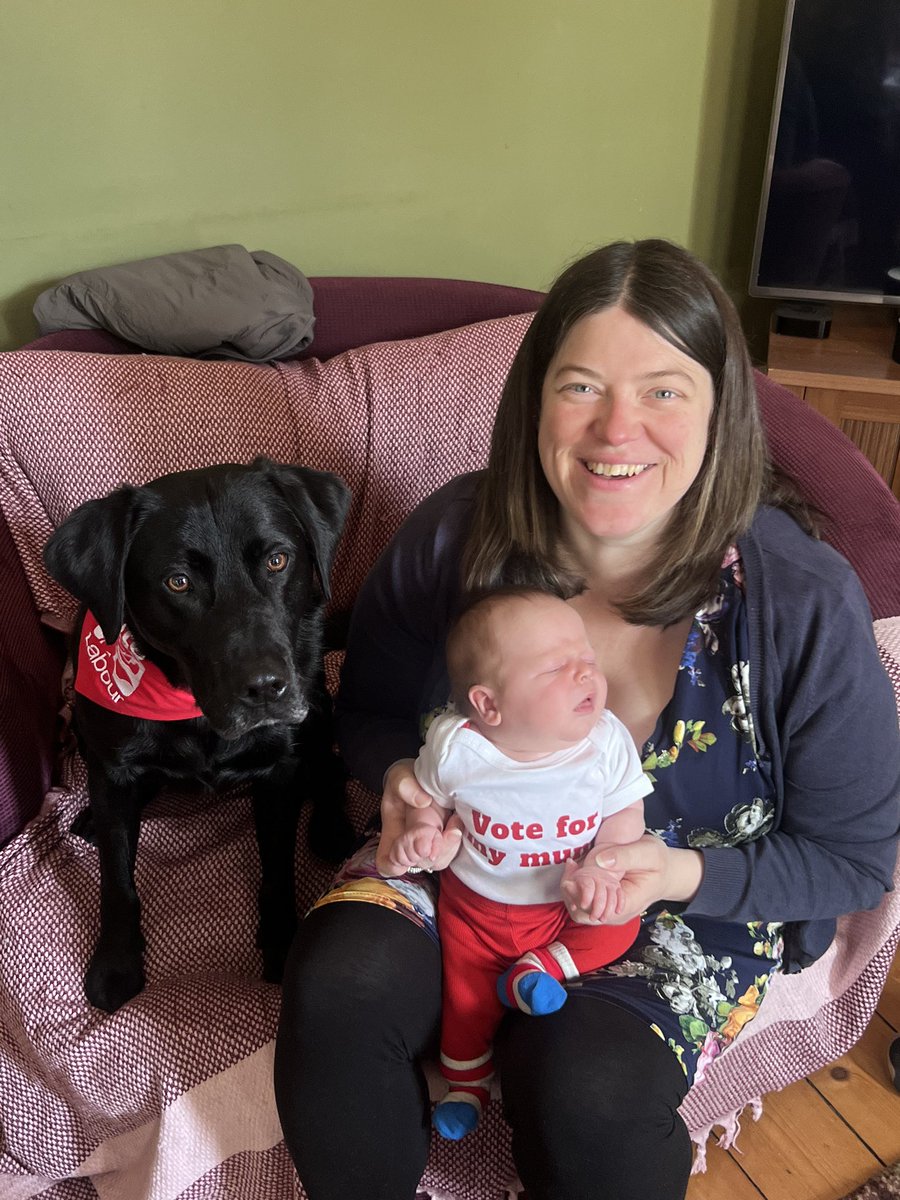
{"points": [[530, 764]]}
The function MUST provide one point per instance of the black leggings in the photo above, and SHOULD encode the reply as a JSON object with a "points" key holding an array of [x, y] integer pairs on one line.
{"points": [[590, 1091]]}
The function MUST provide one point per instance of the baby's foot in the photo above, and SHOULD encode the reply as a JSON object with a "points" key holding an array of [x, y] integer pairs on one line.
{"points": [[531, 990], [453, 1119]]}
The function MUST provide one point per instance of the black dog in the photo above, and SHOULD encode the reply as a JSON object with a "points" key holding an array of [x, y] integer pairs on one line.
{"points": [[220, 578]]}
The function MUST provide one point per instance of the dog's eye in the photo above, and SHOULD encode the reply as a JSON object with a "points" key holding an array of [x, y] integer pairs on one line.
{"points": [[276, 562], [178, 583]]}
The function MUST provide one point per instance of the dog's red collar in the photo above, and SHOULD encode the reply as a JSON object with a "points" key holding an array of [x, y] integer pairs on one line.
{"points": [[120, 678]]}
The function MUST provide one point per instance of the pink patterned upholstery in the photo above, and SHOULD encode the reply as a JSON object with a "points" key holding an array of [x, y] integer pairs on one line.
{"points": [[29, 685], [412, 414], [146, 1098]]}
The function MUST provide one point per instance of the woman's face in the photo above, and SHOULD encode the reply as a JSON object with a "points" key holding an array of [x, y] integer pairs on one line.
{"points": [[623, 428]]}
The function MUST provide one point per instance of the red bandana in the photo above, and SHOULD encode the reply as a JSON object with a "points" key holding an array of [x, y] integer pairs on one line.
{"points": [[120, 678]]}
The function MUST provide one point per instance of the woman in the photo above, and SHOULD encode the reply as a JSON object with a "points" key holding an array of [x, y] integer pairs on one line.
{"points": [[628, 472]]}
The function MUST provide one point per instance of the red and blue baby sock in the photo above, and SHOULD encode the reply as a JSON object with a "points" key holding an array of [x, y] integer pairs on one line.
{"points": [[533, 983], [470, 1089]]}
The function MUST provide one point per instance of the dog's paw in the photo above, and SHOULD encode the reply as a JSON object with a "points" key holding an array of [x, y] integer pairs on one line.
{"points": [[108, 983], [274, 958], [83, 826], [274, 934]]}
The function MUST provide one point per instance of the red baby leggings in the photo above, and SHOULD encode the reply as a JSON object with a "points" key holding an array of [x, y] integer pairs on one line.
{"points": [[481, 938]]}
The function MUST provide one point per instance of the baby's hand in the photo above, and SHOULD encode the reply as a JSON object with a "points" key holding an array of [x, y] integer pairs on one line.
{"points": [[422, 845], [417, 847], [592, 894]]}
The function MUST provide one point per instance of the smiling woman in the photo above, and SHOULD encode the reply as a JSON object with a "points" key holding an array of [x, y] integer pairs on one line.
{"points": [[628, 474]]}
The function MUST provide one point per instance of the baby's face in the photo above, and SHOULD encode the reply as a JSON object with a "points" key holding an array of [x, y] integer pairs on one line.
{"points": [[548, 689]]}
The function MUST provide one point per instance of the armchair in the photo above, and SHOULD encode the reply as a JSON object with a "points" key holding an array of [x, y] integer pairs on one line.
{"points": [[171, 1097]]}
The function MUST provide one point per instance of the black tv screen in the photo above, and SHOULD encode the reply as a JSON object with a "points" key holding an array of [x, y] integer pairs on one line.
{"points": [[829, 221]]}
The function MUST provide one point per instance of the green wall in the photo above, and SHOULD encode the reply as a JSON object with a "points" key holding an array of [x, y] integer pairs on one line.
{"points": [[485, 139]]}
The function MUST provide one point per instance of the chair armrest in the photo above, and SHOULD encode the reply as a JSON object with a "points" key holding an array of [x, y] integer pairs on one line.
{"points": [[31, 660]]}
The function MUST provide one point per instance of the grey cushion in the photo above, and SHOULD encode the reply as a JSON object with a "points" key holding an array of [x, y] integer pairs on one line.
{"points": [[222, 302]]}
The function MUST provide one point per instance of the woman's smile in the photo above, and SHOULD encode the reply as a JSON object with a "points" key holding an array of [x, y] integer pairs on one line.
{"points": [[617, 470]]}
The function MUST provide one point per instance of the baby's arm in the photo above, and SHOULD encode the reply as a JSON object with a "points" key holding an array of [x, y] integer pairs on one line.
{"points": [[592, 893], [626, 825]]}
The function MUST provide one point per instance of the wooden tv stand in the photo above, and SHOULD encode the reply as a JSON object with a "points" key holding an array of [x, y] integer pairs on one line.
{"points": [[851, 379]]}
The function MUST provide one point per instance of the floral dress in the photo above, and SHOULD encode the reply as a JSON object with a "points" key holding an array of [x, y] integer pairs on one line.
{"points": [[698, 981], [695, 980]]}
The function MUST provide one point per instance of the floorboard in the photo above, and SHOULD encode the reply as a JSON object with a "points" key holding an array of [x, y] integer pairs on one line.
{"points": [[802, 1149], [858, 1087]]}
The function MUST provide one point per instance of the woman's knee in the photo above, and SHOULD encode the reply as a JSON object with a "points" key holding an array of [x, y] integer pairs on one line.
{"points": [[592, 1095], [594, 1050], [357, 971]]}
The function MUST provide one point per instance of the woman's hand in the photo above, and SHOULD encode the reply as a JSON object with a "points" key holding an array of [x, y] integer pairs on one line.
{"points": [[649, 871], [402, 796]]}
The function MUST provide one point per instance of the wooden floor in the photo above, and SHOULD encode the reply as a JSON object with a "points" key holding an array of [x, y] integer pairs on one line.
{"points": [[824, 1136]]}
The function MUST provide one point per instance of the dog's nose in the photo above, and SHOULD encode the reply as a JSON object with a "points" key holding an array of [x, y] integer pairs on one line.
{"points": [[265, 687]]}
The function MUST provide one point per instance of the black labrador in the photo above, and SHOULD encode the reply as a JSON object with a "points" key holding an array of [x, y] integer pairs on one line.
{"points": [[217, 580]]}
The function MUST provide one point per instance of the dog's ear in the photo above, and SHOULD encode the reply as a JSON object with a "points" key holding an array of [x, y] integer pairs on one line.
{"points": [[320, 501], [87, 553]]}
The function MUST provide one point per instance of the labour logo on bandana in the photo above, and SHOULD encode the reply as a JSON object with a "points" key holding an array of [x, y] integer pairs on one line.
{"points": [[120, 678]]}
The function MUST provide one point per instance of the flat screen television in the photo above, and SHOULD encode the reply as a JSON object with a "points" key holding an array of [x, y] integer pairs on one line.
{"points": [[829, 218]]}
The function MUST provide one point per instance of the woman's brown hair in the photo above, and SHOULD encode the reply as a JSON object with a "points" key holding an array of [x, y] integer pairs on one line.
{"points": [[515, 537]]}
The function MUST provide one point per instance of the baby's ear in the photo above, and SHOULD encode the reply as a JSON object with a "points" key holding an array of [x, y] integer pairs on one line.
{"points": [[484, 702]]}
